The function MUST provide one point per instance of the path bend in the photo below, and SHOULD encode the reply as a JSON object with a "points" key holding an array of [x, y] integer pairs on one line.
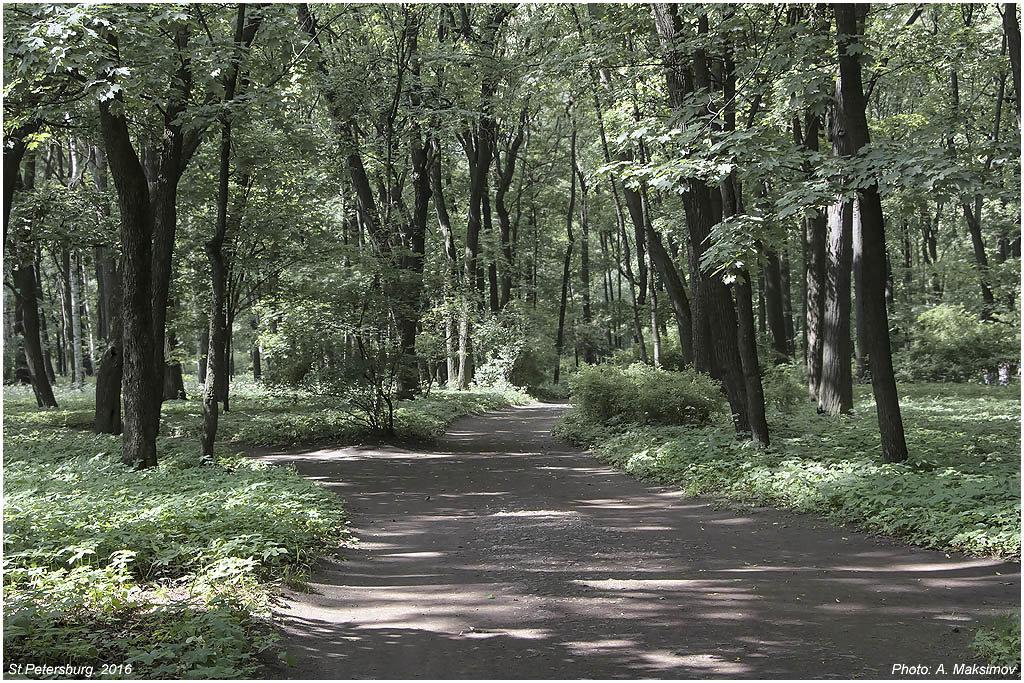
{"points": [[501, 552]]}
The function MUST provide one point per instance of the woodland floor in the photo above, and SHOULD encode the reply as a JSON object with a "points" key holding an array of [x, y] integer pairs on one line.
{"points": [[501, 552]]}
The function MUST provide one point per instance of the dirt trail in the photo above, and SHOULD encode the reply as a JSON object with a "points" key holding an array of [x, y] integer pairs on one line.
{"points": [[501, 552]]}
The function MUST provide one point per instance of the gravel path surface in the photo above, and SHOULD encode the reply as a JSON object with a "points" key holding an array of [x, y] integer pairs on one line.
{"points": [[501, 552]]}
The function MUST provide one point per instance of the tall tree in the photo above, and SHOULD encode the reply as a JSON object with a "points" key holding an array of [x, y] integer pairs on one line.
{"points": [[869, 235]]}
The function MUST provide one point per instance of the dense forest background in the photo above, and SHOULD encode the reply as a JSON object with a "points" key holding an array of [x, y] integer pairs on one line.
{"points": [[372, 200]]}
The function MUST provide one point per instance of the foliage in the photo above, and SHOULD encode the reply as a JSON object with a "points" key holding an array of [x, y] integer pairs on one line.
{"points": [[642, 394], [953, 344], [163, 569], [783, 388], [959, 490], [999, 642]]}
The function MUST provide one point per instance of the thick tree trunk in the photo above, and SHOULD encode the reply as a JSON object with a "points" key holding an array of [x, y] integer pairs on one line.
{"points": [[869, 244], [835, 389], [139, 381]]}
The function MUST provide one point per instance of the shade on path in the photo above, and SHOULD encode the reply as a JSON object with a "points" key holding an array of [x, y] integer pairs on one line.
{"points": [[501, 552]]}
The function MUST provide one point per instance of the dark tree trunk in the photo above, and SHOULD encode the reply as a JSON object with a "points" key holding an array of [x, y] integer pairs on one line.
{"points": [[43, 332], [216, 372], [202, 353], [835, 389], [216, 367], [749, 360], [174, 382], [787, 303], [1012, 31], [869, 243], [703, 209], [774, 307], [15, 146], [588, 346], [24, 277], [139, 380], [506, 172], [108, 379], [567, 261]]}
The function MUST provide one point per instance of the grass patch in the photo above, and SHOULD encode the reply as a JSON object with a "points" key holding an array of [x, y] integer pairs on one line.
{"points": [[960, 489]]}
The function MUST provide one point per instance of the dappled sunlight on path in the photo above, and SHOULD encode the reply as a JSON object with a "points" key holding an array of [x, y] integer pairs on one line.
{"points": [[501, 552]]}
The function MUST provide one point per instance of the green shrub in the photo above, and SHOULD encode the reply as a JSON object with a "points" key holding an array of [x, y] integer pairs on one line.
{"points": [[783, 387], [643, 394], [950, 344], [999, 643]]}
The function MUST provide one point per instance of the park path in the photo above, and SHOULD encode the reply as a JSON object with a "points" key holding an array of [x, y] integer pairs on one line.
{"points": [[501, 552]]}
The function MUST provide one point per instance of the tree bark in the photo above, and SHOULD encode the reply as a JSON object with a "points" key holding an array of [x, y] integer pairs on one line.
{"points": [[216, 371], [869, 243], [139, 381], [76, 321], [1012, 31], [24, 277], [774, 309], [835, 389], [567, 260]]}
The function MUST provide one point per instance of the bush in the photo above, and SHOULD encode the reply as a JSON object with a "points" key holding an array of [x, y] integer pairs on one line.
{"points": [[999, 643], [783, 388], [642, 394], [950, 344]]}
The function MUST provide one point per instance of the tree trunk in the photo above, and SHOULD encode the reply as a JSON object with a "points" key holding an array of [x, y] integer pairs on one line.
{"points": [[835, 389], [749, 360], [652, 300], [1012, 31], [24, 277], [869, 243], [567, 260], [202, 353], [87, 320], [173, 383], [139, 381], [676, 293], [774, 307], [589, 355], [787, 303], [76, 321]]}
